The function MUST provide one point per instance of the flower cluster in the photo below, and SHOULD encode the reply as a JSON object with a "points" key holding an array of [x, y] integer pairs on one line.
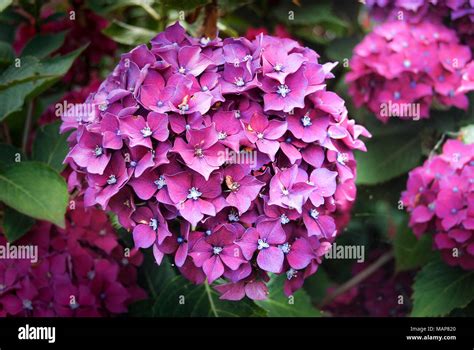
{"points": [[230, 155], [383, 294], [440, 200], [399, 69], [81, 270], [460, 12]]}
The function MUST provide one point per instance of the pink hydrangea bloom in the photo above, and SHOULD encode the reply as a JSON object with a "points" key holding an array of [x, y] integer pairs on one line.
{"points": [[459, 12], [230, 155], [82, 270], [401, 69], [440, 200]]}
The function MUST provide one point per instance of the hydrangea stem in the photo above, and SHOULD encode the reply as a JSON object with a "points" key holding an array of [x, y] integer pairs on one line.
{"points": [[27, 128], [385, 258]]}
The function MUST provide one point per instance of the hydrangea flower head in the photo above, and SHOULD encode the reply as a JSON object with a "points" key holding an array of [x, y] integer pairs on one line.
{"points": [[230, 155], [459, 12], [82, 270], [440, 200], [401, 69]]}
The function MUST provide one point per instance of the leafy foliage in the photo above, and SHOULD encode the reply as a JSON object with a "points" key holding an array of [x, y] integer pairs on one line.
{"points": [[279, 305], [439, 289], [34, 189]]}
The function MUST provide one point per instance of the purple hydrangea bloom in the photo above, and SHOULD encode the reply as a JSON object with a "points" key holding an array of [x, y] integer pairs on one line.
{"points": [[401, 69], [439, 198], [229, 155]]}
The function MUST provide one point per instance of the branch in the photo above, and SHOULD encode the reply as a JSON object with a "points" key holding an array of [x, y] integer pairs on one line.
{"points": [[354, 281], [209, 27]]}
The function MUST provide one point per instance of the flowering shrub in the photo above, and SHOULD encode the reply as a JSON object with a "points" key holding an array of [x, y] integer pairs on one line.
{"points": [[400, 69], [82, 270], [461, 12], [439, 199], [229, 155]]}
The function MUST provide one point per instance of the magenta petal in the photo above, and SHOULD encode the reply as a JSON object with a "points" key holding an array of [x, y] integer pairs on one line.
{"points": [[143, 236], [213, 268], [271, 259]]}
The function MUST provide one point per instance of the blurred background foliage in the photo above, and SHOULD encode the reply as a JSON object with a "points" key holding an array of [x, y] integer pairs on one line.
{"points": [[332, 28]]}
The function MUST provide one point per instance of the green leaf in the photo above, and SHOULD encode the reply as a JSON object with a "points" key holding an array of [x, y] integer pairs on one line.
{"points": [[43, 45], [388, 157], [50, 146], [279, 305], [15, 224], [28, 70], [341, 48], [106, 6], [127, 34], [13, 97], [307, 14], [184, 5], [6, 53], [9, 155], [411, 252], [467, 134], [317, 286], [439, 289], [4, 4], [181, 298], [36, 190]]}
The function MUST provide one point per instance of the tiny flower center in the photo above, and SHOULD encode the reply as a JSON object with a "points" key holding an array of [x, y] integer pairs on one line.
{"points": [[103, 106], [260, 135], [153, 224], [205, 40], [161, 182], [194, 193], [112, 180], [306, 120], [222, 135], [198, 152], [27, 304], [233, 216], [291, 273], [180, 239], [239, 82], [208, 232], [285, 248], [217, 250], [314, 214], [342, 158], [285, 191], [231, 184], [182, 70], [278, 67], [146, 131], [283, 90], [262, 244], [98, 151], [284, 219]]}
